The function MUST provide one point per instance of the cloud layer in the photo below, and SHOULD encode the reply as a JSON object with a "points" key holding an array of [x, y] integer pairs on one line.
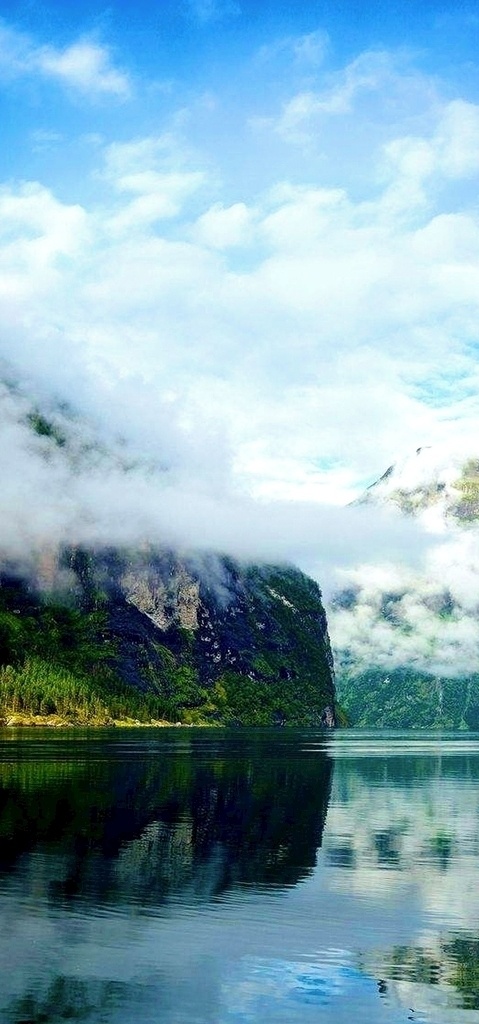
{"points": [[85, 66], [258, 325], [62, 486], [388, 615], [320, 333]]}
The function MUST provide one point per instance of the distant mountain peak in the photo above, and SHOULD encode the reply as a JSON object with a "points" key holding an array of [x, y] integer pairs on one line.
{"points": [[406, 640], [435, 479]]}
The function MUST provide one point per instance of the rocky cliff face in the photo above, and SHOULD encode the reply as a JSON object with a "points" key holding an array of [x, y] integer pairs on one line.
{"points": [[234, 643], [200, 638]]}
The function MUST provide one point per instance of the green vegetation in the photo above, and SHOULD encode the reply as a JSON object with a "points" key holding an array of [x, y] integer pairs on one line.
{"points": [[412, 502], [467, 508], [463, 955], [289, 675], [263, 658], [56, 660], [43, 688], [404, 699], [45, 428], [251, 701], [175, 683], [266, 661]]}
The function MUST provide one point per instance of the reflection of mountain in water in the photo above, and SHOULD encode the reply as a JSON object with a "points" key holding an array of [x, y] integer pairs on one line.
{"points": [[403, 831], [115, 831], [173, 818], [445, 975]]}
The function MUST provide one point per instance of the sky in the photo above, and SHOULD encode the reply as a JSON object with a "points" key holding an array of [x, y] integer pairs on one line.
{"points": [[243, 237]]}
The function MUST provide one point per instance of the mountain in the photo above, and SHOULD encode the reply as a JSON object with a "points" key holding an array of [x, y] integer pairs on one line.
{"points": [[112, 633], [440, 486], [93, 630], [406, 642]]}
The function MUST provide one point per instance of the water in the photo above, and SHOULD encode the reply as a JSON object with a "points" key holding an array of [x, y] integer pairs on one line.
{"points": [[187, 876]]}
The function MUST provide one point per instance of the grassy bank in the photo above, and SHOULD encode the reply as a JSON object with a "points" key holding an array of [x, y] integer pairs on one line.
{"points": [[12, 719]]}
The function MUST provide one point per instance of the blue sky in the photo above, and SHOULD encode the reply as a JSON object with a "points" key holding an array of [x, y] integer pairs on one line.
{"points": [[246, 60], [252, 226]]}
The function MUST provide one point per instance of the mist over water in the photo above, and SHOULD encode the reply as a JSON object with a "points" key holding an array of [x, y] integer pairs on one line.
{"points": [[198, 876]]}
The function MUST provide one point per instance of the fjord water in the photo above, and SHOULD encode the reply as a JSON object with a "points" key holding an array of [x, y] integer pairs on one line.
{"points": [[189, 876]]}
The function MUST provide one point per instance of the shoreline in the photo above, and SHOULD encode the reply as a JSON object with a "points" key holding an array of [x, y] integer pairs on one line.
{"points": [[17, 720]]}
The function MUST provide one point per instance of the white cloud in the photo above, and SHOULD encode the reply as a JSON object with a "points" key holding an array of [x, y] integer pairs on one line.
{"points": [[277, 347], [400, 617], [225, 227], [86, 493], [301, 114], [335, 291], [148, 171], [457, 140], [389, 615], [84, 67], [44, 139], [311, 48], [415, 164], [37, 232]]}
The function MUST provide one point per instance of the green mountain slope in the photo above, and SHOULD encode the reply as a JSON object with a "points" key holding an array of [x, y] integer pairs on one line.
{"points": [[407, 699], [152, 637]]}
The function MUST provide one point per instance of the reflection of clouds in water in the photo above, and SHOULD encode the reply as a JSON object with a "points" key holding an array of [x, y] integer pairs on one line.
{"points": [[439, 1001], [271, 990], [403, 833], [383, 840]]}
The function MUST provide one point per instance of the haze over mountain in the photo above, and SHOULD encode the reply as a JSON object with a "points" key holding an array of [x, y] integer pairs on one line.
{"points": [[246, 242], [96, 488], [412, 637]]}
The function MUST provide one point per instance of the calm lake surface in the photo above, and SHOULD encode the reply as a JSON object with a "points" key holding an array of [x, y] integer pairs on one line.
{"points": [[185, 876]]}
